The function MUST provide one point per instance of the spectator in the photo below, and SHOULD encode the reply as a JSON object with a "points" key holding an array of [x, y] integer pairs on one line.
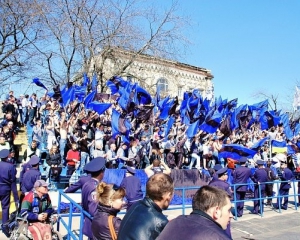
{"points": [[159, 192], [106, 224], [210, 216], [133, 187]]}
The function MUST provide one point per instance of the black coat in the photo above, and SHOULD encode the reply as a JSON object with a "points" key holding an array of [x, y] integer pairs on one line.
{"points": [[53, 159], [143, 221], [197, 225], [100, 227]]}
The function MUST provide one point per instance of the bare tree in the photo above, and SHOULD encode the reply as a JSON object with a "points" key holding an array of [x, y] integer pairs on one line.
{"points": [[81, 36], [272, 98], [17, 34]]}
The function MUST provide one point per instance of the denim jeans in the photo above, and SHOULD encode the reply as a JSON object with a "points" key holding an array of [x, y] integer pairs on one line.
{"points": [[195, 157], [85, 157]]}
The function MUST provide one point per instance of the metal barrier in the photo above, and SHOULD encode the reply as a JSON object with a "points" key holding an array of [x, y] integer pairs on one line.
{"points": [[183, 206]]}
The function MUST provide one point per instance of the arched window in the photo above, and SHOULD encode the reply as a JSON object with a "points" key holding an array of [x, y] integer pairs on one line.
{"points": [[162, 85]]}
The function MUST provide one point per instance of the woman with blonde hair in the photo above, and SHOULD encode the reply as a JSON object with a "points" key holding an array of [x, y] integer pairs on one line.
{"points": [[106, 224]]}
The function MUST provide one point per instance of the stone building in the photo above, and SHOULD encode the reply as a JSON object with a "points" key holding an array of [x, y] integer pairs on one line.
{"points": [[170, 77]]}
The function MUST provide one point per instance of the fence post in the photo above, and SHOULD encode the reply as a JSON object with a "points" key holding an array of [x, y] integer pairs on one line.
{"points": [[58, 210], [234, 200], [183, 201]]}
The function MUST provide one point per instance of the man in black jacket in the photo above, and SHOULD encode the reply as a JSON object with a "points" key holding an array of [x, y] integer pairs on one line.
{"points": [[210, 217], [145, 219]]}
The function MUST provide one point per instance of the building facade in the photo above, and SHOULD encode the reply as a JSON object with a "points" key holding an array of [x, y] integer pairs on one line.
{"points": [[171, 78]]}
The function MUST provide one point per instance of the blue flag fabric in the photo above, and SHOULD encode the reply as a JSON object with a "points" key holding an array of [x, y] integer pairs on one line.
{"points": [[39, 83], [290, 149], [169, 126], [89, 98], [86, 80], [192, 129], [68, 96], [164, 114], [141, 96], [212, 123], [99, 107], [268, 120], [297, 129], [259, 143], [120, 125], [236, 151]]}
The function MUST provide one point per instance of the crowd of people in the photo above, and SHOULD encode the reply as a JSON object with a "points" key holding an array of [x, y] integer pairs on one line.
{"points": [[77, 138]]}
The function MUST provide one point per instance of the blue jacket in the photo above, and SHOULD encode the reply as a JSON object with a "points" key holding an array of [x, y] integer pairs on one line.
{"points": [[241, 175], [197, 225], [261, 176], [287, 175]]}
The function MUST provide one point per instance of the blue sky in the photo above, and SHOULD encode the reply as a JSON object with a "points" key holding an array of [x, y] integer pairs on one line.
{"points": [[249, 46]]}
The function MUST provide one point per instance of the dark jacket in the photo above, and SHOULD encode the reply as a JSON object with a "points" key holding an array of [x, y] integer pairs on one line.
{"points": [[53, 159], [287, 175], [241, 176], [100, 227], [197, 225], [143, 221]]}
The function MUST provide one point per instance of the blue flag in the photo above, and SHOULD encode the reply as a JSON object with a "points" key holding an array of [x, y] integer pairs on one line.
{"points": [[86, 80], [89, 98], [259, 143], [99, 107], [169, 125], [120, 125], [236, 151], [68, 96], [192, 129], [39, 83], [268, 120]]}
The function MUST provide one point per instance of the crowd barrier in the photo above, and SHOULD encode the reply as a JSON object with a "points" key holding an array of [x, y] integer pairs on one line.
{"points": [[68, 224]]}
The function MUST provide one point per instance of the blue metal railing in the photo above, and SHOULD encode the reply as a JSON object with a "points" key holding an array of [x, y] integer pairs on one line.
{"points": [[183, 206]]}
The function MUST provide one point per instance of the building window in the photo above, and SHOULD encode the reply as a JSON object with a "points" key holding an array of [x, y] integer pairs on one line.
{"points": [[162, 85], [180, 92]]}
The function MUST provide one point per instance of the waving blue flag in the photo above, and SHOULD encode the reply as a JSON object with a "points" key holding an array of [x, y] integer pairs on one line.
{"points": [[120, 125], [39, 83], [259, 143], [86, 80], [89, 98], [99, 107], [169, 125], [192, 129], [68, 96], [236, 151]]}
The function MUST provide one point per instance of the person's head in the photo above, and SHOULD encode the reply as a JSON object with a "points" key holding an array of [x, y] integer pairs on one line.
{"points": [[113, 147], [96, 168], [124, 146], [8, 116], [160, 188], [2, 139], [74, 146], [38, 122], [10, 125], [41, 187], [110, 195], [54, 149], [156, 162], [222, 174], [11, 93], [215, 202], [33, 144], [99, 145], [4, 153], [5, 129]]}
